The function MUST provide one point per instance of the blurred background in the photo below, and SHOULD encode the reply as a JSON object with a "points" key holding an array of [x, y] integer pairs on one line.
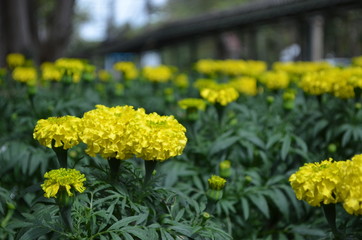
{"points": [[179, 32]]}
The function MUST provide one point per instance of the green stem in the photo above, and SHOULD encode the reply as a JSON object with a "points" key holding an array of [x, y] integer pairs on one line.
{"points": [[65, 213], [114, 165], [62, 155], [149, 168], [330, 214]]}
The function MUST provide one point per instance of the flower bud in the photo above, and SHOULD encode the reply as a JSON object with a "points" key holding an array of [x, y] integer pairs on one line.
{"points": [[225, 168]]}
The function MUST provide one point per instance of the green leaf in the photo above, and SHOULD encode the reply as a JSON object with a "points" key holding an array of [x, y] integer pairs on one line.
{"points": [[221, 144], [319, 126], [346, 137], [136, 231], [180, 214], [306, 230], [123, 222], [127, 236], [245, 207], [116, 236], [278, 198], [300, 142], [273, 139], [260, 202], [165, 235], [34, 233], [285, 146]]}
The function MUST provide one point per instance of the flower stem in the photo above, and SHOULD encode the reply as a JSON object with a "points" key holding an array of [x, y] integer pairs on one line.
{"points": [[330, 214], [149, 167], [114, 165], [62, 155], [65, 213]]}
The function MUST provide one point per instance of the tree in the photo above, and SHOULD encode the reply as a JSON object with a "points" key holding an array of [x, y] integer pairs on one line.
{"points": [[40, 29]]}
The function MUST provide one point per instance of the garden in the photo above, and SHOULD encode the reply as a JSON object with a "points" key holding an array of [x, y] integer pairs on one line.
{"points": [[229, 149]]}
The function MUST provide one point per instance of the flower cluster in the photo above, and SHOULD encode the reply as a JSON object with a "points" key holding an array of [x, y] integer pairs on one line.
{"points": [[160, 73], [330, 182], [128, 69], [26, 75], [275, 80], [15, 60], [245, 85], [63, 179], [221, 93], [50, 72], [58, 131], [117, 132]]}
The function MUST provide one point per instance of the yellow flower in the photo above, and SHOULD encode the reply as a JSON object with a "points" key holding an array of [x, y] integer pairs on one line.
{"points": [[275, 80], [26, 75], [181, 81], [15, 59], [160, 73], [158, 137], [50, 72], [222, 94], [216, 182], [107, 131], [245, 85], [351, 186], [128, 69], [62, 179], [317, 183], [192, 103], [104, 75], [62, 130]]}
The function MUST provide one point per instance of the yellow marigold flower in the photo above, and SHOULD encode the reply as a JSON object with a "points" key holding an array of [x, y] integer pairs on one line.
{"points": [[316, 83], [317, 183], [104, 75], [181, 81], [50, 72], [15, 60], [351, 185], [62, 130], [222, 94], [192, 103], [216, 182], [63, 179], [245, 85], [26, 75], [107, 131], [160, 73], [158, 137], [275, 80], [128, 69], [206, 66]]}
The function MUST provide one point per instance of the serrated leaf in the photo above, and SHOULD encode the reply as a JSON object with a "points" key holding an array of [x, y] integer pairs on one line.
{"points": [[221, 144], [123, 222], [245, 207], [285, 147], [116, 236], [259, 201], [34, 233], [179, 214]]}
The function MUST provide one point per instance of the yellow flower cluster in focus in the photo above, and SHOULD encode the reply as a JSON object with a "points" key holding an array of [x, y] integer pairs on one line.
{"points": [[63, 180], [221, 93], [331, 182], [26, 75], [62, 130], [160, 73], [192, 103]]}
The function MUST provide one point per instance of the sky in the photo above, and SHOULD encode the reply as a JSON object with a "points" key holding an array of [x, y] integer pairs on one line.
{"points": [[132, 11]]}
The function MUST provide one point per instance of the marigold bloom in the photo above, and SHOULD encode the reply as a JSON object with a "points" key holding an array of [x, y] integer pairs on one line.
{"points": [[192, 103], [62, 130], [104, 75], [181, 81], [158, 137], [222, 94], [63, 179], [160, 73], [107, 131], [216, 182], [128, 69], [50, 72], [15, 59], [245, 85], [351, 185], [317, 183], [275, 80], [26, 75]]}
